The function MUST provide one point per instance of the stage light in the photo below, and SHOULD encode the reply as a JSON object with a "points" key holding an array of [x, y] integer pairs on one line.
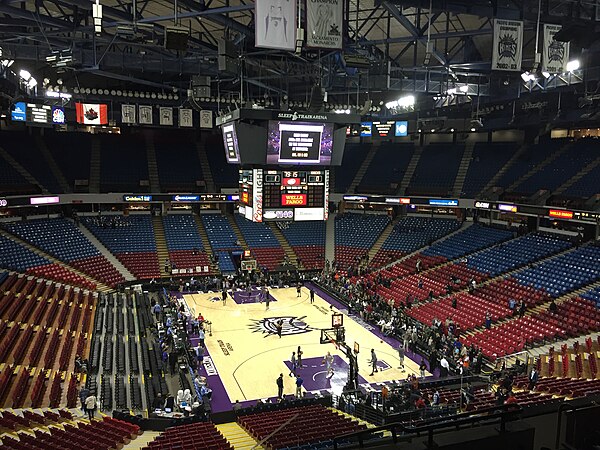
{"points": [[573, 65], [176, 97], [433, 130], [88, 91], [32, 83], [136, 94], [170, 96], [472, 129], [119, 93], [419, 130], [451, 130], [94, 91], [463, 89], [76, 90], [59, 81], [527, 76], [546, 74]]}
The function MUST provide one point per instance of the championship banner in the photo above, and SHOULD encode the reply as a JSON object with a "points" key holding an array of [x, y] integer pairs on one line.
{"points": [[206, 119], [91, 113], [507, 51], [275, 24], [145, 115], [186, 118], [324, 21], [128, 113], [555, 54], [166, 116]]}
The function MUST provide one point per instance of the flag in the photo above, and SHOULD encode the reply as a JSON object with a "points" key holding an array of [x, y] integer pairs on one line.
{"points": [[128, 113], [145, 114], [166, 116], [507, 51], [275, 24], [92, 113], [555, 54], [324, 22]]}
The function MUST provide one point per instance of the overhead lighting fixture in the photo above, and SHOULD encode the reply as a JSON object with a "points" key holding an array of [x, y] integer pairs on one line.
{"points": [[527, 76], [473, 129], [573, 65], [545, 74], [464, 89], [24, 74], [451, 91]]}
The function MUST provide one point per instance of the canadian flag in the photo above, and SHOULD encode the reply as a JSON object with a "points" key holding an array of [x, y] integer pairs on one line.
{"points": [[92, 113]]}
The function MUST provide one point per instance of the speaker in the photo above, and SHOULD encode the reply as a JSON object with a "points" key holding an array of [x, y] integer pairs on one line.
{"points": [[176, 38], [580, 34]]}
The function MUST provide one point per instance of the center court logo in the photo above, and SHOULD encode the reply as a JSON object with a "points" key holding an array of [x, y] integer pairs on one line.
{"points": [[291, 325]]}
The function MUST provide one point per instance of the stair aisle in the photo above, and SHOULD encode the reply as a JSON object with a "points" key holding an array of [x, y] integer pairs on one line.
{"points": [[410, 169], [204, 164], [285, 245], [237, 436], [363, 168], [94, 181], [382, 238], [107, 254], [237, 231], [62, 181], [161, 242], [330, 238], [206, 243], [484, 192], [152, 164], [577, 177], [461, 175]]}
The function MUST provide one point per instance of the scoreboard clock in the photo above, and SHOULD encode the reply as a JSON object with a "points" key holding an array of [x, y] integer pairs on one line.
{"points": [[269, 195]]}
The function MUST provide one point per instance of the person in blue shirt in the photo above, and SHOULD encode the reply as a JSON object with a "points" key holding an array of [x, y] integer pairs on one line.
{"points": [[156, 309], [299, 382]]}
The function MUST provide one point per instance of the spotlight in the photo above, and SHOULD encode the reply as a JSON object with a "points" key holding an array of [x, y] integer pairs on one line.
{"points": [[59, 81], [119, 93], [573, 65], [94, 91], [24, 74], [472, 129], [463, 89], [546, 74], [76, 90]]}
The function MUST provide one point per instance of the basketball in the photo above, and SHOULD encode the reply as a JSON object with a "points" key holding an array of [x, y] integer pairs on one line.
{"points": [[381, 341]]}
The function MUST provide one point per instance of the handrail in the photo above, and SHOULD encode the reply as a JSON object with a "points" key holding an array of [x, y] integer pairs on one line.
{"points": [[284, 424], [501, 411]]}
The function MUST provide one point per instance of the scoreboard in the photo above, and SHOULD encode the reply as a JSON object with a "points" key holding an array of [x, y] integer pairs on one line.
{"points": [[270, 195]]}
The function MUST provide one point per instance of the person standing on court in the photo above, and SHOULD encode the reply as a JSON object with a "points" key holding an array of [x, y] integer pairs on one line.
{"points": [[267, 300], [298, 290], [294, 362], [279, 327], [401, 356], [373, 362], [299, 382], [312, 296], [280, 386], [299, 356], [224, 296]]}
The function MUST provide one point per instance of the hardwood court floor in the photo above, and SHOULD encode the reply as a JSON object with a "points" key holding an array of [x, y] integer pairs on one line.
{"points": [[249, 356]]}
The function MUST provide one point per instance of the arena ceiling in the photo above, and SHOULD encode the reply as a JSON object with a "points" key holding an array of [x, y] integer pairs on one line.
{"points": [[392, 34]]}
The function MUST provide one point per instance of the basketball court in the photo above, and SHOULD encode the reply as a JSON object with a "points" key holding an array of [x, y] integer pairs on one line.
{"points": [[247, 354]]}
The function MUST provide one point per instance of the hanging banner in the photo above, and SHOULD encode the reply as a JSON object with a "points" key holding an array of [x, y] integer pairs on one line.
{"points": [[275, 24], [91, 113], [166, 116], [508, 45], [555, 54], [145, 115], [185, 118], [128, 113], [206, 119], [324, 21]]}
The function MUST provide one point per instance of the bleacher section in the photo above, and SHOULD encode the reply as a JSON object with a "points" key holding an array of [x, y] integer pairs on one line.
{"points": [[487, 160], [222, 239], [15, 256], [224, 174], [307, 425], [565, 166], [123, 163], [410, 234], [308, 242], [263, 244], [516, 253], [43, 326], [586, 186], [23, 148], [354, 156], [179, 169], [530, 158], [476, 237], [130, 239], [593, 295], [436, 171], [565, 273], [12, 182], [61, 239], [387, 167], [355, 234], [200, 435], [72, 153], [184, 242]]}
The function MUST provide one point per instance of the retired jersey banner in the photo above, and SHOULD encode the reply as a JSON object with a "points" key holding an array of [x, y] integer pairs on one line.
{"points": [[555, 54], [128, 113], [206, 118], [186, 118], [275, 24], [324, 21], [508, 45], [166, 115], [91, 113], [145, 115]]}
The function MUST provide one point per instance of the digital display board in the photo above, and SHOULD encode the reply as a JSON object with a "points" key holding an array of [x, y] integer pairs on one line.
{"points": [[401, 128], [383, 129], [507, 208], [232, 151], [442, 202], [299, 143], [41, 114], [58, 115], [560, 214], [19, 112], [366, 129]]}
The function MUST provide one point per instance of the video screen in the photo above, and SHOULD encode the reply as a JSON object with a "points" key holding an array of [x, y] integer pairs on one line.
{"points": [[401, 128], [232, 151], [299, 143]]}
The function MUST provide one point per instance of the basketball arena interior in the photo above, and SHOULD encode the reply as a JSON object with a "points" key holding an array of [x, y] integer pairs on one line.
{"points": [[285, 224]]}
